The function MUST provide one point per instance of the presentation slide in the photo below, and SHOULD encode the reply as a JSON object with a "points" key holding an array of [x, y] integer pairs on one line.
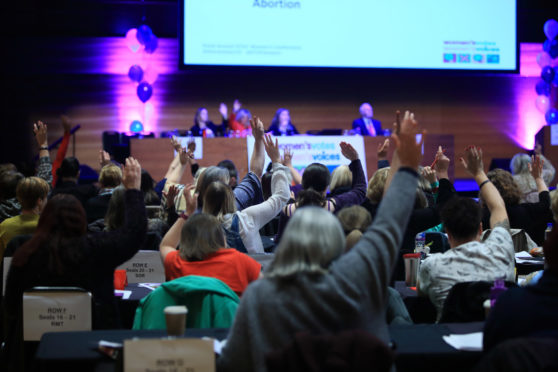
{"points": [[410, 34]]}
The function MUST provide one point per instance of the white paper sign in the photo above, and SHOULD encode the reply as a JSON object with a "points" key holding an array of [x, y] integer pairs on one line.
{"points": [[169, 355], [55, 312], [198, 153], [316, 149], [6, 269], [144, 267]]}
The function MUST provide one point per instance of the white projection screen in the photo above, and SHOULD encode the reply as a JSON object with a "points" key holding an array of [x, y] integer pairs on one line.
{"points": [[400, 34]]}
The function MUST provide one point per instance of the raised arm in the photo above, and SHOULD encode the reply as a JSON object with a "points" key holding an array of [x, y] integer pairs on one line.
{"points": [[357, 194], [382, 152], [472, 162], [287, 162], [258, 155], [536, 167], [44, 169], [172, 237]]}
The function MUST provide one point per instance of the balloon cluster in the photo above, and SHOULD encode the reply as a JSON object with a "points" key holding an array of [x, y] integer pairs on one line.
{"points": [[142, 40], [548, 61]]}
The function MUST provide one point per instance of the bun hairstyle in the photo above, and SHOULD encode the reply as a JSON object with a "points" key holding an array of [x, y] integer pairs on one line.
{"points": [[354, 221], [315, 181]]}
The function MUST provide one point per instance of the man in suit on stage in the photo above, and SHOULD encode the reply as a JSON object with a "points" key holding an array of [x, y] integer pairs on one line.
{"points": [[366, 125]]}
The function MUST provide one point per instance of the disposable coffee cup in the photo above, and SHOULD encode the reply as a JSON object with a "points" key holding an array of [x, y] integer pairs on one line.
{"points": [[175, 317], [412, 262]]}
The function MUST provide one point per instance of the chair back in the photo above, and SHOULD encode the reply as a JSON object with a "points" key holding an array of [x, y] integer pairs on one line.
{"points": [[144, 267], [439, 240], [55, 309], [464, 302], [6, 263]]}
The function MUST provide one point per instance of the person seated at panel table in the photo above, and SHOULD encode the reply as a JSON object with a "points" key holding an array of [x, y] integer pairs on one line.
{"points": [[529, 311], [61, 253], [202, 250], [469, 259], [531, 217], [281, 124], [366, 125], [32, 195], [312, 286], [239, 120], [203, 127]]}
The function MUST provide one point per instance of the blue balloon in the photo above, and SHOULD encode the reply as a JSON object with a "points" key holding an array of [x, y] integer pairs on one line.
{"points": [[136, 126], [151, 44], [546, 45], [135, 73], [547, 74], [555, 81], [553, 49], [144, 91], [551, 116], [144, 33], [543, 88]]}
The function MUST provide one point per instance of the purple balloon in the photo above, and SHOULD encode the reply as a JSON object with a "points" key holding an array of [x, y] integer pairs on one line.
{"points": [[543, 88], [547, 74], [543, 59], [144, 91], [553, 48], [135, 73], [551, 116], [546, 46], [551, 29], [151, 44], [144, 33], [555, 81]]}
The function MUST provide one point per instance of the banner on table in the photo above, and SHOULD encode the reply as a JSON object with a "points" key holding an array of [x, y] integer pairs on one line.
{"points": [[316, 149], [198, 153]]}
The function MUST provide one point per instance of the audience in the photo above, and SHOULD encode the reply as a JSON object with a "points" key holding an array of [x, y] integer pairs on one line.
{"points": [[469, 259], [281, 124], [312, 286], [68, 176], [531, 217], [520, 166], [109, 178], [341, 180], [60, 253]]}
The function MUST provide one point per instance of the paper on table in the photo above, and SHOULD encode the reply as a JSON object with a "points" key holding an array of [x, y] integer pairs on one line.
{"points": [[522, 254], [151, 286], [217, 345], [468, 342], [125, 294]]}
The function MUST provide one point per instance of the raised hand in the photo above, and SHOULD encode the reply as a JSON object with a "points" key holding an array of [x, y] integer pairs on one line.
{"points": [[383, 149], [131, 174], [472, 162], [348, 151], [257, 128], [40, 130], [408, 150], [536, 166], [191, 199], [441, 162], [429, 174], [104, 158], [191, 146], [170, 195], [272, 148], [223, 110], [66, 123], [287, 159], [175, 144], [397, 123], [237, 105], [185, 156]]}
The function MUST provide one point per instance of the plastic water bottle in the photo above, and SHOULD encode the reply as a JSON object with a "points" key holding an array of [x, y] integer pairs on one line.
{"points": [[496, 290], [548, 230], [419, 242]]}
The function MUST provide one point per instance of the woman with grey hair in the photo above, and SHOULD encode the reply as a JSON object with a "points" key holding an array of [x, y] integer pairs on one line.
{"points": [[520, 168], [312, 286]]}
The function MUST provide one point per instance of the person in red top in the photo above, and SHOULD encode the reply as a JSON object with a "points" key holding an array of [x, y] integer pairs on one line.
{"points": [[202, 251]]}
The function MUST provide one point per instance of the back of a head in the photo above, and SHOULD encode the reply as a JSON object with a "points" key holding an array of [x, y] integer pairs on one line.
{"points": [[68, 168], [354, 217], [114, 218], [201, 235], [61, 226], [266, 184], [461, 218], [8, 184], [377, 184], [111, 176], [229, 165], [29, 190], [218, 200], [210, 175], [315, 181], [243, 113], [312, 240], [504, 182], [520, 164], [341, 177]]}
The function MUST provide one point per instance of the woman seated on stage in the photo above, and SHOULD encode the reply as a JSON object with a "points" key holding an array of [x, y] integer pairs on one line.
{"points": [[203, 251], [203, 127], [60, 253], [242, 227], [315, 181], [281, 124], [312, 286]]}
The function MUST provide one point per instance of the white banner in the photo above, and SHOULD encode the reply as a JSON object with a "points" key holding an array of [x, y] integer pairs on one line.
{"points": [[316, 149], [198, 153]]}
